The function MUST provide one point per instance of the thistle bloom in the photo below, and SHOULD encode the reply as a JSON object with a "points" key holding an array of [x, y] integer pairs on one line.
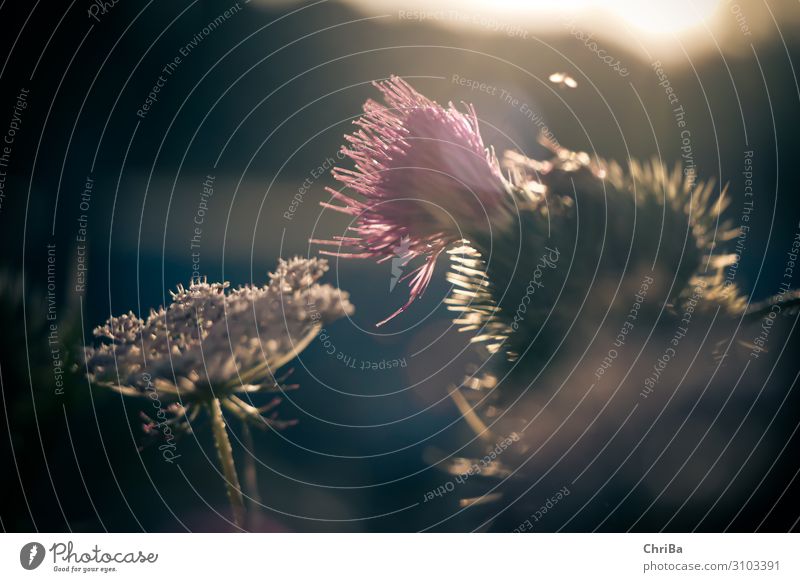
{"points": [[427, 183], [426, 179], [543, 262]]}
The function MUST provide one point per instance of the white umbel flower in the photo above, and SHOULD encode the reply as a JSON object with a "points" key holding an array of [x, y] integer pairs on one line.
{"points": [[211, 342]]}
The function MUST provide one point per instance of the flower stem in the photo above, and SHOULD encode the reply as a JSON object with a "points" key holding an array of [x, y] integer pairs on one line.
{"points": [[225, 453], [251, 478]]}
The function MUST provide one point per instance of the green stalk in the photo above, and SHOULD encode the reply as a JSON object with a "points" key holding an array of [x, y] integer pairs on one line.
{"points": [[250, 477], [225, 453]]}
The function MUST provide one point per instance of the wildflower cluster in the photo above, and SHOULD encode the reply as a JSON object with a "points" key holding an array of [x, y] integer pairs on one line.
{"points": [[212, 342]]}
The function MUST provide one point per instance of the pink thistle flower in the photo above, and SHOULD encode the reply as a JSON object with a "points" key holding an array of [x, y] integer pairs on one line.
{"points": [[426, 178]]}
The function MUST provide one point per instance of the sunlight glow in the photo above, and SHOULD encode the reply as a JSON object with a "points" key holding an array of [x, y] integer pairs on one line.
{"points": [[665, 17], [660, 17]]}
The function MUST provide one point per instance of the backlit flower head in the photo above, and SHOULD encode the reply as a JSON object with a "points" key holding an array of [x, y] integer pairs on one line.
{"points": [[212, 342], [425, 179]]}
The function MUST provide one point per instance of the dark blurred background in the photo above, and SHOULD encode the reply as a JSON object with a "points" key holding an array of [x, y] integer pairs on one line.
{"points": [[260, 103]]}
